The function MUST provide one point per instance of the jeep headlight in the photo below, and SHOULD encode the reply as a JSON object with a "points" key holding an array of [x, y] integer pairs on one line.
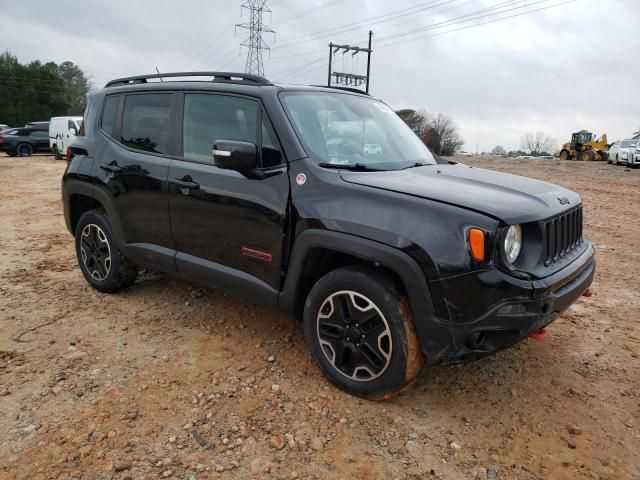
{"points": [[513, 243]]}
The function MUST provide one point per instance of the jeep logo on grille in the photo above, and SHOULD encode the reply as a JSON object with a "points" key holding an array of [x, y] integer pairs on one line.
{"points": [[564, 200]]}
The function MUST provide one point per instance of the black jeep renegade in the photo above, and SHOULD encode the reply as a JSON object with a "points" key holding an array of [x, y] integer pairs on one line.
{"points": [[322, 203]]}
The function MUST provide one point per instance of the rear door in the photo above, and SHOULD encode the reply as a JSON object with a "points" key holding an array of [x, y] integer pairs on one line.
{"points": [[228, 222], [132, 169]]}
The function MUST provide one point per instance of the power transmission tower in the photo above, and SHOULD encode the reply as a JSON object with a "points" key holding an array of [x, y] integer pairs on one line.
{"points": [[349, 79], [255, 43]]}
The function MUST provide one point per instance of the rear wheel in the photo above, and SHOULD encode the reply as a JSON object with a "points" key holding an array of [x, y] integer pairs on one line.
{"points": [[360, 330], [100, 259], [24, 150], [56, 153]]}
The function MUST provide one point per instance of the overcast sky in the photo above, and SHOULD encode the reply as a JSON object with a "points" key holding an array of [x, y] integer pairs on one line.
{"points": [[560, 70]]}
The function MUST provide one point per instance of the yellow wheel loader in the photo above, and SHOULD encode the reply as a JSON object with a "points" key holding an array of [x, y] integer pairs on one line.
{"points": [[584, 146]]}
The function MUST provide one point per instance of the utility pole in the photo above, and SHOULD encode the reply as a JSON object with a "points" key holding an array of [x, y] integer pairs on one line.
{"points": [[344, 78], [255, 43]]}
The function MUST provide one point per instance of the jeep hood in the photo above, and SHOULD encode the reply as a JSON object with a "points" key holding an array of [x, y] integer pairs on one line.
{"points": [[510, 198]]}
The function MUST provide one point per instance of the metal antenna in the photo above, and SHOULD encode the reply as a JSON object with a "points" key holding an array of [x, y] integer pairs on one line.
{"points": [[255, 42]]}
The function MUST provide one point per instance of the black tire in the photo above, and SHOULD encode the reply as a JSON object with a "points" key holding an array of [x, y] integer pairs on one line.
{"points": [[94, 246], [386, 318], [24, 150], [56, 153]]}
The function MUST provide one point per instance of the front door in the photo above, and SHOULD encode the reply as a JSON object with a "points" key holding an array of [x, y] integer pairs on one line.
{"points": [[222, 221], [40, 140]]}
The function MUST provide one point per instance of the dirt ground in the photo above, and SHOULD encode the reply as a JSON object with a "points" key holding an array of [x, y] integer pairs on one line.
{"points": [[170, 380]]}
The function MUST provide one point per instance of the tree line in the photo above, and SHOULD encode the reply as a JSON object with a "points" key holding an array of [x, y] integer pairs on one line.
{"points": [[438, 131], [38, 91]]}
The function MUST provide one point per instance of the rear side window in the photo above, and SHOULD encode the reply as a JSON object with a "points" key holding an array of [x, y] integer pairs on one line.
{"points": [[145, 122], [109, 115], [208, 118]]}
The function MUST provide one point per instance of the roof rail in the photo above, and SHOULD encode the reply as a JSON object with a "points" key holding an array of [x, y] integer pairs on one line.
{"points": [[222, 77], [346, 89]]}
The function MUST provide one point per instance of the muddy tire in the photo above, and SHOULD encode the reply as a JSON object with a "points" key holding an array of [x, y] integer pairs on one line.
{"points": [[564, 155], [360, 330], [587, 156], [100, 259]]}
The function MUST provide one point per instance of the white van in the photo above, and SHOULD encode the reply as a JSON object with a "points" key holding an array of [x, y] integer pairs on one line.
{"points": [[62, 131]]}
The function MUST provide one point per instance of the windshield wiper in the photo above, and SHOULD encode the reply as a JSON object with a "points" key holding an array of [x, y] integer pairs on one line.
{"points": [[417, 164], [354, 167]]}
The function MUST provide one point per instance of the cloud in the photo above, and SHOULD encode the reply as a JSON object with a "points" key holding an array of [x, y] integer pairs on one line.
{"points": [[558, 70]]}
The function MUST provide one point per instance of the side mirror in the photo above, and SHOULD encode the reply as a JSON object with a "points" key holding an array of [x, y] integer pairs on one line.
{"points": [[235, 155], [73, 131]]}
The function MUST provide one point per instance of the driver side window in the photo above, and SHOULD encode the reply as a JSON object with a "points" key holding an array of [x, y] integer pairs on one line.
{"points": [[208, 118]]}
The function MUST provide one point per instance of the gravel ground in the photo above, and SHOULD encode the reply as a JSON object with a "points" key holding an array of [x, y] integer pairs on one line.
{"points": [[172, 380]]}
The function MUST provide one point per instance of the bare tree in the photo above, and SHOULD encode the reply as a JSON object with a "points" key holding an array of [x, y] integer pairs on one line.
{"points": [[438, 131], [441, 135], [537, 143], [498, 150]]}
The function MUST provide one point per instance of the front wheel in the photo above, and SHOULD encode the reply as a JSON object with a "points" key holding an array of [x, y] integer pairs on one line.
{"points": [[102, 264], [587, 156], [564, 155], [360, 330], [56, 153]]}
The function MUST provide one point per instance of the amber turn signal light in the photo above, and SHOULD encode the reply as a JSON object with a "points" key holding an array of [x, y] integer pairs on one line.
{"points": [[476, 242]]}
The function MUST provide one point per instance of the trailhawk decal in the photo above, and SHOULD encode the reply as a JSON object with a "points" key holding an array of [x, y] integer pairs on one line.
{"points": [[257, 254]]}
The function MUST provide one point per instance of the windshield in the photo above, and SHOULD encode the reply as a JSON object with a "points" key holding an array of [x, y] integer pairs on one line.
{"points": [[628, 143], [346, 130]]}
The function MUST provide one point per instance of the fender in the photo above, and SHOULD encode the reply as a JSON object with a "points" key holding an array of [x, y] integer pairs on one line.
{"points": [[74, 186], [414, 280]]}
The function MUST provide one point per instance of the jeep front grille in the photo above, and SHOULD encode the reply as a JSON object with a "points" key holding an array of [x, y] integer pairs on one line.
{"points": [[562, 234]]}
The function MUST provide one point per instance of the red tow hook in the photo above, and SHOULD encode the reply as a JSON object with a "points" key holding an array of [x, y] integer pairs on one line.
{"points": [[540, 334], [587, 293]]}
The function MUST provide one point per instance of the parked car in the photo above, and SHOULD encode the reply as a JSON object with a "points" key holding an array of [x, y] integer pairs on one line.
{"points": [[621, 150], [635, 157], [390, 261], [627, 147], [372, 149], [4, 126], [24, 141], [62, 131]]}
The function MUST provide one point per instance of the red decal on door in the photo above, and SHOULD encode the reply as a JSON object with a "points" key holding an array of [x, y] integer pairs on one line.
{"points": [[257, 254]]}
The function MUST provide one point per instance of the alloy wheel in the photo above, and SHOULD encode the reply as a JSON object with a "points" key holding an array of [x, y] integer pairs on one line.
{"points": [[95, 251], [354, 336]]}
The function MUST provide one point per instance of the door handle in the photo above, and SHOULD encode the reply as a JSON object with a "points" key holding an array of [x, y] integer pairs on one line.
{"points": [[185, 185], [111, 167]]}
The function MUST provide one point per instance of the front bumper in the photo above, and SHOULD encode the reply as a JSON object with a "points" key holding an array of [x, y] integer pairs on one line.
{"points": [[526, 307]]}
